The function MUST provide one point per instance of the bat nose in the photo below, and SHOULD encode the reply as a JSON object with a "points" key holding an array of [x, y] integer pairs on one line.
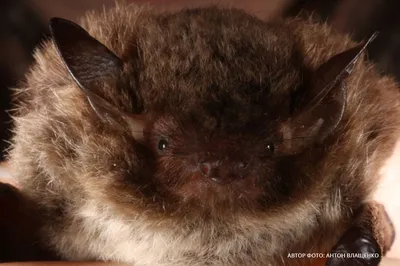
{"points": [[224, 172]]}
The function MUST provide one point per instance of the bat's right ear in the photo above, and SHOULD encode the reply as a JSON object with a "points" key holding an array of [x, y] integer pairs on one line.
{"points": [[89, 62]]}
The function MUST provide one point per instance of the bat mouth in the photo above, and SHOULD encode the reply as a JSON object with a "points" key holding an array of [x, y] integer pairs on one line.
{"points": [[207, 192]]}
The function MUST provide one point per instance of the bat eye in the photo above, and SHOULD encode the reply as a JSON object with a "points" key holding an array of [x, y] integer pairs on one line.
{"points": [[270, 148], [162, 144]]}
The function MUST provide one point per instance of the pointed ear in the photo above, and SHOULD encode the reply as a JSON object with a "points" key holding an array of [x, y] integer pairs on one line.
{"points": [[321, 107], [88, 61]]}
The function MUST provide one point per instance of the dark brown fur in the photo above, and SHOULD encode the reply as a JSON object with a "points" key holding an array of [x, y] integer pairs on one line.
{"points": [[106, 197]]}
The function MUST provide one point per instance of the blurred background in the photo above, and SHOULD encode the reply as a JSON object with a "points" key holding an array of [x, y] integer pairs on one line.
{"points": [[23, 25]]}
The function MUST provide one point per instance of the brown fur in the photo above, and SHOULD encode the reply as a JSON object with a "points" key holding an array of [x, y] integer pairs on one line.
{"points": [[93, 193]]}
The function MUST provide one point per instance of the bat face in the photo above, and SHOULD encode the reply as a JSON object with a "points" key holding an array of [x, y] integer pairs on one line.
{"points": [[202, 166], [219, 126]]}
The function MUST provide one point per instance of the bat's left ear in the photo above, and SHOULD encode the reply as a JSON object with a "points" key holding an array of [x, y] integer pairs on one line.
{"points": [[89, 62], [320, 107]]}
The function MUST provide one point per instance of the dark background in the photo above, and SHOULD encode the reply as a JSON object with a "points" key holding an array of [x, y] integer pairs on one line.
{"points": [[23, 25]]}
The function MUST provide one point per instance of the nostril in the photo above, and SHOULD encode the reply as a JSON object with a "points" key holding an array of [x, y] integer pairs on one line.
{"points": [[205, 168]]}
